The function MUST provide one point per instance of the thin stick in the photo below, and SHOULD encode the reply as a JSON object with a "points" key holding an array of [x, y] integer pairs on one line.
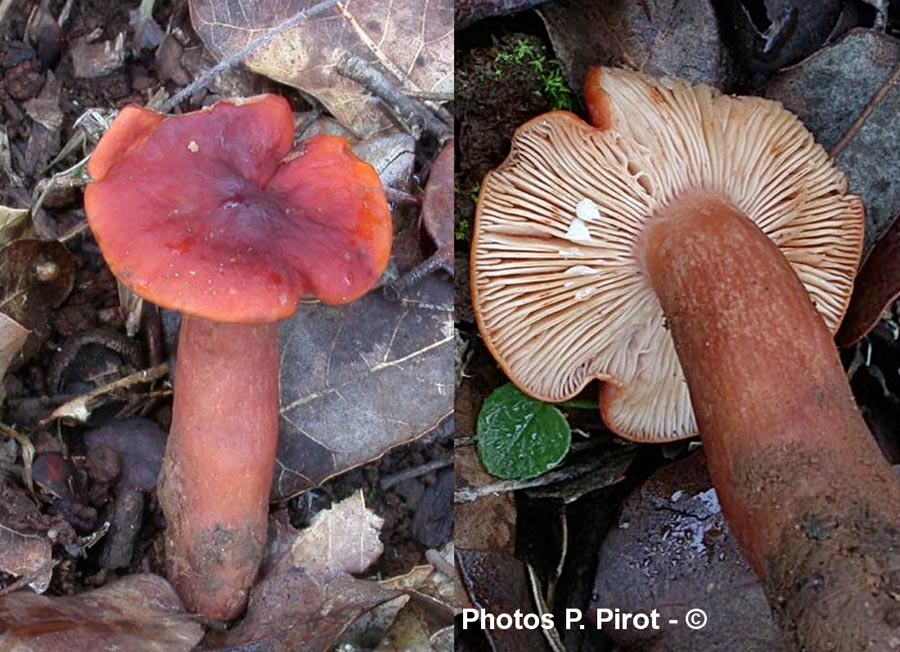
{"points": [[238, 57], [80, 408], [389, 481], [431, 97], [409, 112]]}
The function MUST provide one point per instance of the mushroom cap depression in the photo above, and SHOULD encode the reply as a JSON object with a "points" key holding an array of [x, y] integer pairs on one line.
{"points": [[557, 287], [211, 213]]}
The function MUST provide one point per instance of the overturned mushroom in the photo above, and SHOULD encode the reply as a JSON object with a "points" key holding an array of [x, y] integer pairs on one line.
{"points": [[696, 252], [213, 215]]}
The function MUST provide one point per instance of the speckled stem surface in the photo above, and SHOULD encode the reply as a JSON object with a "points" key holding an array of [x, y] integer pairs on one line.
{"points": [[220, 455], [802, 483]]}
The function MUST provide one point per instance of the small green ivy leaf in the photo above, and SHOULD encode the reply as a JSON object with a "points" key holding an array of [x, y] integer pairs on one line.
{"points": [[520, 437]]}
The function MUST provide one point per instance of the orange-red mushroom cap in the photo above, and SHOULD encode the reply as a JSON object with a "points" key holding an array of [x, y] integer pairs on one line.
{"points": [[211, 214]]}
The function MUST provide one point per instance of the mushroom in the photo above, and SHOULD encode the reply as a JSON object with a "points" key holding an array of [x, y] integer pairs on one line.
{"points": [[212, 214], [696, 252]]}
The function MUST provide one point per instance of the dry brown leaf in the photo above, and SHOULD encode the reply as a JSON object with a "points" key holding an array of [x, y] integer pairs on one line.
{"points": [[25, 550], [308, 597], [410, 40], [26, 555], [497, 583], [12, 339], [342, 539], [360, 379], [422, 579], [408, 633], [297, 612], [13, 221], [139, 612], [392, 154], [488, 523], [36, 276]]}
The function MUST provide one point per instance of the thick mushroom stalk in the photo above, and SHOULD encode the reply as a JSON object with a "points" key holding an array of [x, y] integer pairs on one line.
{"points": [[804, 487], [215, 215], [217, 472]]}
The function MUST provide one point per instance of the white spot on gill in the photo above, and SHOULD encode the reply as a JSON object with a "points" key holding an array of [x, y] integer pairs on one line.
{"points": [[583, 294], [587, 211], [570, 253], [193, 146], [578, 232], [580, 270]]}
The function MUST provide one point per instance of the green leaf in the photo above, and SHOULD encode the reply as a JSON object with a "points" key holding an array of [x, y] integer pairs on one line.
{"points": [[519, 437]]}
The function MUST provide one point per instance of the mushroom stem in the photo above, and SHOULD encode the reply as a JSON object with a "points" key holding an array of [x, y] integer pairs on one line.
{"points": [[220, 455], [803, 485]]}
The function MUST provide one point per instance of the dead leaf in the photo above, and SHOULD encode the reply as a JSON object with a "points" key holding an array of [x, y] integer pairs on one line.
{"points": [[342, 539], [497, 583], [672, 550], [847, 95], [392, 154], [307, 597], [147, 32], [428, 584], [92, 60], [471, 11], [777, 33], [36, 276], [12, 222], [876, 287], [25, 549], [296, 612], [43, 141], [675, 38], [488, 523], [408, 633], [410, 41], [437, 210], [138, 612], [26, 555], [360, 379], [12, 339]]}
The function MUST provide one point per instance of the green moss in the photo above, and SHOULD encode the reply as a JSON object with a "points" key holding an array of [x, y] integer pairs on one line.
{"points": [[527, 57]]}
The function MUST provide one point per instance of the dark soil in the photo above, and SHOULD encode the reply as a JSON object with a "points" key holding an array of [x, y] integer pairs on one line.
{"points": [[84, 344], [497, 89]]}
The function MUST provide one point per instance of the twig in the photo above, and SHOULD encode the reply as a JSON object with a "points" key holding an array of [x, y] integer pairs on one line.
{"points": [[390, 480], [89, 541], [416, 117], [65, 13], [238, 57], [80, 409], [431, 97], [559, 474]]}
